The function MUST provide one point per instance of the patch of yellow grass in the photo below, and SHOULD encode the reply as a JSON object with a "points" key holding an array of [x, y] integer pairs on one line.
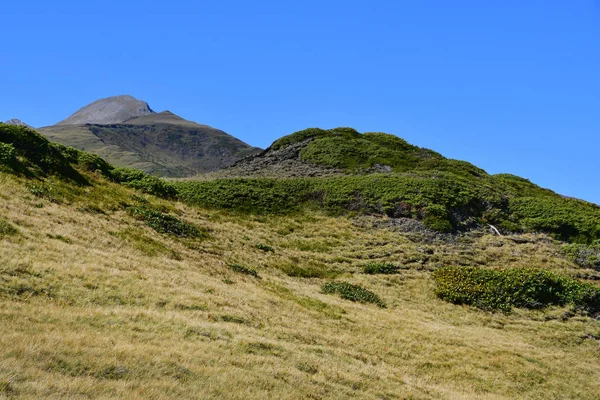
{"points": [[101, 306]]}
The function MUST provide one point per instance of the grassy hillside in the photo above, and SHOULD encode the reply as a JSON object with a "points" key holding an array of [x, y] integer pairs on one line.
{"points": [[109, 292]]}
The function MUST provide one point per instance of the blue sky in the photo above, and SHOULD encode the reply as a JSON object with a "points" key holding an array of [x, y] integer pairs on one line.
{"points": [[509, 85]]}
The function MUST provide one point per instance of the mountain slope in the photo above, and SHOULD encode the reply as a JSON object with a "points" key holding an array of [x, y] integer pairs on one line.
{"points": [[127, 133], [107, 292]]}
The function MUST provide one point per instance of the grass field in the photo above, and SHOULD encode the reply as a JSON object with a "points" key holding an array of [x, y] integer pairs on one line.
{"points": [[96, 303]]}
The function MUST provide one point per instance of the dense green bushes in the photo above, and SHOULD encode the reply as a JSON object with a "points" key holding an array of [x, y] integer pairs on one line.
{"points": [[352, 292], [8, 154], [444, 201], [383, 268], [566, 219], [522, 288], [165, 223], [146, 183]]}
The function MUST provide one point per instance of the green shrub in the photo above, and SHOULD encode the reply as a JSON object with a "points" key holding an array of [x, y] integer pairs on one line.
{"points": [[92, 163], [519, 287], [264, 247], [8, 153], [437, 218], [586, 256], [564, 218], [244, 270], [380, 268], [139, 180], [165, 223], [6, 229], [352, 292]]}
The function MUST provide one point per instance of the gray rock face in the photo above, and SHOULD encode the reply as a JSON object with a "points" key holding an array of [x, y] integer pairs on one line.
{"points": [[15, 121], [111, 110]]}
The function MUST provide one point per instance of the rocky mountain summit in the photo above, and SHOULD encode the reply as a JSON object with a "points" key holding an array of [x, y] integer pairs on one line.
{"points": [[15, 121], [110, 110]]}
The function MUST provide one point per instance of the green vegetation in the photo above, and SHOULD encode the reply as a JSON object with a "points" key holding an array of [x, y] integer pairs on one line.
{"points": [[23, 151], [586, 256], [383, 268], [244, 270], [264, 247], [8, 154], [518, 287], [347, 149], [6, 229], [444, 201], [115, 307], [352, 292], [26, 152], [141, 181], [165, 223]]}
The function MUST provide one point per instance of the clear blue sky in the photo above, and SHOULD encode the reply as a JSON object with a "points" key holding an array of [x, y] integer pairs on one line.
{"points": [[509, 85]]}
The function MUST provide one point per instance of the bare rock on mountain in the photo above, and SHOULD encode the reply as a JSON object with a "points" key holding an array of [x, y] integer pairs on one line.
{"points": [[15, 121], [111, 110]]}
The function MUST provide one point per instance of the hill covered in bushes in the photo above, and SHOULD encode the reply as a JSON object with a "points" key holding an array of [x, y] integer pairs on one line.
{"points": [[342, 170]]}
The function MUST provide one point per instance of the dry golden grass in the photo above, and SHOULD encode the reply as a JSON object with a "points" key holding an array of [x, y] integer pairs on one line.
{"points": [[98, 305]]}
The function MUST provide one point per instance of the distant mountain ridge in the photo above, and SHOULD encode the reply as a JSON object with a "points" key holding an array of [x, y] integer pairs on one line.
{"points": [[128, 133]]}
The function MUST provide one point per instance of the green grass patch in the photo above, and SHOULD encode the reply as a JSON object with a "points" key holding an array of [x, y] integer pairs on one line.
{"points": [[519, 287], [307, 303], [165, 223], [7, 229], [352, 292], [383, 268], [244, 270], [264, 247], [310, 270], [136, 238]]}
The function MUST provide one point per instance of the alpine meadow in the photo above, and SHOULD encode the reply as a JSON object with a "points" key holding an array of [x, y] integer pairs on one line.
{"points": [[332, 265]]}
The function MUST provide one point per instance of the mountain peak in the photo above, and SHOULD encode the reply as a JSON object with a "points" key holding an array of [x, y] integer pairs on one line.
{"points": [[110, 110], [15, 121]]}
